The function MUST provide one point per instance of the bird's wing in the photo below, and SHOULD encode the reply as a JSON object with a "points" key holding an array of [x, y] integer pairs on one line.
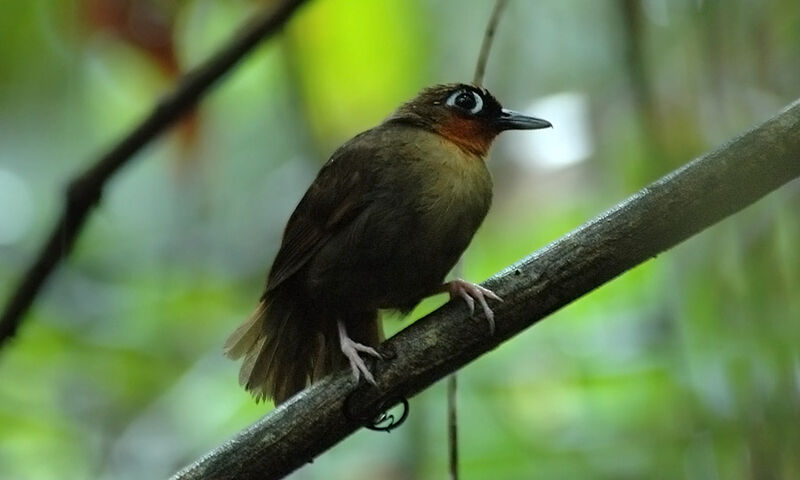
{"points": [[338, 194]]}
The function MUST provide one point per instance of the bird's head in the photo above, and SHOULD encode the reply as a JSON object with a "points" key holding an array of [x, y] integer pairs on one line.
{"points": [[466, 115]]}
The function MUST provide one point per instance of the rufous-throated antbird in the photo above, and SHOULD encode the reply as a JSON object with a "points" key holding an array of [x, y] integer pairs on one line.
{"points": [[385, 220]]}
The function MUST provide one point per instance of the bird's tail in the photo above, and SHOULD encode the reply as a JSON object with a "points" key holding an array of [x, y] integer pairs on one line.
{"points": [[287, 343], [277, 343]]}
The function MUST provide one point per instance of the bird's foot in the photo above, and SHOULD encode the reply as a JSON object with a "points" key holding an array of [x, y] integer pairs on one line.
{"points": [[350, 349], [470, 292]]}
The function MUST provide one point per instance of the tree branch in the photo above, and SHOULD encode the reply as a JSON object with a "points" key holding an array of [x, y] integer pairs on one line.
{"points": [[656, 218], [488, 40], [85, 190]]}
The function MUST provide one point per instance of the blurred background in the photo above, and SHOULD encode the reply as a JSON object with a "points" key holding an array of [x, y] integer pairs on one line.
{"points": [[686, 367]]}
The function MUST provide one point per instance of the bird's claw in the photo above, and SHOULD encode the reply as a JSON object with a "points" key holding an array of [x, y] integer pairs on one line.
{"points": [[470, 292], [351, 349]]}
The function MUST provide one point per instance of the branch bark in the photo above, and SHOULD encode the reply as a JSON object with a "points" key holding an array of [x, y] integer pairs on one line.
{"points": [[85, 190], [656, 218]]}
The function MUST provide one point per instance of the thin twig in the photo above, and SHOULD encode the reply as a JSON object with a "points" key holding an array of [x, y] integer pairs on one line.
{"points": [[452, 406], [654, 219], [452, 425], [633, 49], [488, 39], [85, 190], [452, 381]]}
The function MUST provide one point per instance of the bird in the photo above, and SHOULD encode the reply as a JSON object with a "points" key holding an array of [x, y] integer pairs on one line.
{"points": [[382, 224]]}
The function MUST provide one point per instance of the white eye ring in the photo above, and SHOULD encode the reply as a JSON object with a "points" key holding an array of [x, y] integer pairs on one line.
{"points": [[451, 101]]}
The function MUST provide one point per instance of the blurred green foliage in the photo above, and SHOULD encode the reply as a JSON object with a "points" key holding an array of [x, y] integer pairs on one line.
{"points": [[686, 367]]}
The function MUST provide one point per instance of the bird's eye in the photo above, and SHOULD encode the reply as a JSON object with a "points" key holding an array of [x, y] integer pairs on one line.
{"points": [[466, 100]]}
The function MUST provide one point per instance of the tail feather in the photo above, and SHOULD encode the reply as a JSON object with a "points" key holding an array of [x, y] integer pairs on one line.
{"points": [[287, 343], [246, 335], [278, 347], [246, 372]]}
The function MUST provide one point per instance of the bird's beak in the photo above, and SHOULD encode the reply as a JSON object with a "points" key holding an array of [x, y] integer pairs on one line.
{"points": [[511, 120]]}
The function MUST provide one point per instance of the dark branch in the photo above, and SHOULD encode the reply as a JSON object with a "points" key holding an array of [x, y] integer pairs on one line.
{"points": [[488, 39], [656, 218], [84, 191]]}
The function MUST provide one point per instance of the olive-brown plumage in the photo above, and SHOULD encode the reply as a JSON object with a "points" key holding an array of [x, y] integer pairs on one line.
{"points": [[385, 220]]}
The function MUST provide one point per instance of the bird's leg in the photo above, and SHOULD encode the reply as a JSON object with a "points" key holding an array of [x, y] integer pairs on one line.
{"points": [[470, 292], [350, 349]]}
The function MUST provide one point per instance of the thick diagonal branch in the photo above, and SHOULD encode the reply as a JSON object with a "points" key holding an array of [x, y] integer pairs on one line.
{"points": [[85, 190], [656, 218]]}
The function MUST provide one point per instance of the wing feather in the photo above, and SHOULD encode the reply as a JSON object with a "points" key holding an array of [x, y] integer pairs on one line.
{"points": [[334, 199]]}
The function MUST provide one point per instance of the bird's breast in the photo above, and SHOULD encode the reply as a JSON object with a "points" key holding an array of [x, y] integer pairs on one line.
{"points": [[454, 185], [452, 198]]}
